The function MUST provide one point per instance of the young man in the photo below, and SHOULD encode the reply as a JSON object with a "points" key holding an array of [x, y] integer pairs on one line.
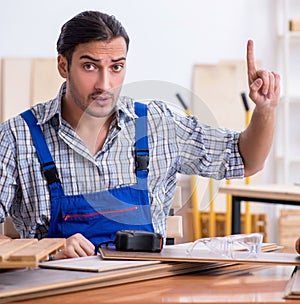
{"points": [[89, 162]]}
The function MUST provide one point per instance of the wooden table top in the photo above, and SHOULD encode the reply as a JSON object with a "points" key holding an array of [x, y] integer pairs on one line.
{"points": [[268, 191], [232, 284]]}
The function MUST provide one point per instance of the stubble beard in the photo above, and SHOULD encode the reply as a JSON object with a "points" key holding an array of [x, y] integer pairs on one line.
{"points": [[89, 105]]}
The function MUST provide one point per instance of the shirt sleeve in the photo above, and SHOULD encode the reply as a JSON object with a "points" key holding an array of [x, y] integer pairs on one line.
{"points": [[8, 173], [207, 151]]}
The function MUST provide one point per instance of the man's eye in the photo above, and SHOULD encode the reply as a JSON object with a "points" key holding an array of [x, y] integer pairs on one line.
{"points": [[118, 67], [89, 67]]}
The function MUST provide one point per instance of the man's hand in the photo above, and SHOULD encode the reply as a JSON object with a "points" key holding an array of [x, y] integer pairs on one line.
{"points": [[76, 246], [263, 84], [255, 142]]}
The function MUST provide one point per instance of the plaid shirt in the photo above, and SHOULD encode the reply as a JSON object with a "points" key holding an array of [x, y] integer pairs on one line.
{"points": [[177, 144]]}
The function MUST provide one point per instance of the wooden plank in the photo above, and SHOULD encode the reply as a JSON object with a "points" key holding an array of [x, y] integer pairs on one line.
{"points": [[288, 223], [37, 81], [264, 191], [200, 256], [11, 246], [3, 241], [289, 228], [38, 251], [218, 86], [22, 253], [289, 212], [174, 226], [294, 25], [45, 78], [18, 264], [15, 86], [57, 282]]}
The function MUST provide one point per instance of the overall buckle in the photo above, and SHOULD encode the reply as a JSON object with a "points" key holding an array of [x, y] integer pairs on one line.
{"points": [[51, 174], [142, 161]]}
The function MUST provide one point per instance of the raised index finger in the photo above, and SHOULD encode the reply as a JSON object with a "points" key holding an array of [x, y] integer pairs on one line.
{"points": [[250, 61]]}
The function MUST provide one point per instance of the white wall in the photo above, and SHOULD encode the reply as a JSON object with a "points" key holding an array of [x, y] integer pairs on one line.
{"points": [[167, 36]]}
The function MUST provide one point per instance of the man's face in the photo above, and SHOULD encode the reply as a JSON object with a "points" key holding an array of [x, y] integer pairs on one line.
{"points": [[95, 76]]}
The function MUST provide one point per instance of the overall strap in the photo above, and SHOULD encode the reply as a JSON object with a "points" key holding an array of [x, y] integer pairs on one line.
{"points": [[141, 141], [44, 155], [46, 160]]}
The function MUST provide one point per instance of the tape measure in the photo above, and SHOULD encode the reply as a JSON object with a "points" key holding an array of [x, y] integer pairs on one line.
{"points": [[138, 240]]}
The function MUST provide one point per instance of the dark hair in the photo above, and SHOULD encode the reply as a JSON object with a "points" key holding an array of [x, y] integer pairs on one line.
{"points": [[86, 27]]}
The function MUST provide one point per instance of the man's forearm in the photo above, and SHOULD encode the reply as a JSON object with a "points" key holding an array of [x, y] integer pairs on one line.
{"points": [[256, 141]]}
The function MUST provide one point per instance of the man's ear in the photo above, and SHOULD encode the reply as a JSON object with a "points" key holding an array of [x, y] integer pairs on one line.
{"points": [[62, 65]]}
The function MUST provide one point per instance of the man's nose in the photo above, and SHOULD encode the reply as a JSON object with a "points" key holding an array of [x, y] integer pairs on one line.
{"points": [[103, 81]]}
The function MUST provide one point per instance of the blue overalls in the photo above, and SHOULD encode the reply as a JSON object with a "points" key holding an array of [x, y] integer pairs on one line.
{"points": [[99, 215]]}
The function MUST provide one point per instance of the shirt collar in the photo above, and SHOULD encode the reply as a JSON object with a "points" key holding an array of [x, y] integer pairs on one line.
{"points": [[52, 108], [125, 107]]}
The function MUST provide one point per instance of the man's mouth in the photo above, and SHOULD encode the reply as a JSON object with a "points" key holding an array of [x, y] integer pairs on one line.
{"points": [[102, 100]]}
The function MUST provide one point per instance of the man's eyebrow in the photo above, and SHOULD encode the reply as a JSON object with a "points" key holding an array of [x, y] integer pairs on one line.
{"points": [[97, 60], [118, 59], [89, 58]]}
